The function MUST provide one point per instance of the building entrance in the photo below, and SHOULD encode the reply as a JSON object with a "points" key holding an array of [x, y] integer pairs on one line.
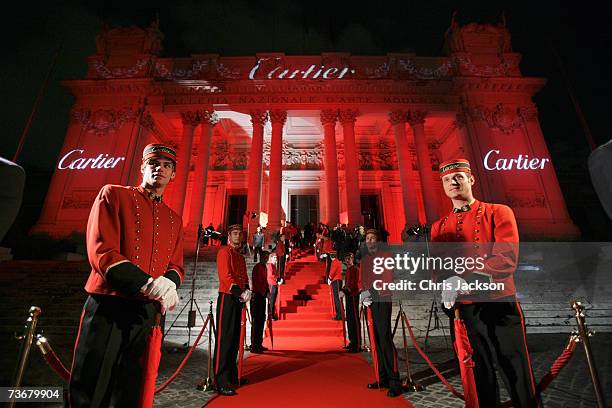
{"points": [[304, 209]]}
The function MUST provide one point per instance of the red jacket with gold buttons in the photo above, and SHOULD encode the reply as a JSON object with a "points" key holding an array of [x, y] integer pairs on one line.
{"points": [[231, 268], [352, 283], [335, 270], [492, 234], [131, 238]]}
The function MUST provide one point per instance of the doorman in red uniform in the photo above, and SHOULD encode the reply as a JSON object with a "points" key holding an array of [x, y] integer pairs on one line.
{"points": [[282, 252], [334, 280], [380, 303], [351, 296], [259, 279], [273, 280], [135, 248], [234, 292], [494, 320]]}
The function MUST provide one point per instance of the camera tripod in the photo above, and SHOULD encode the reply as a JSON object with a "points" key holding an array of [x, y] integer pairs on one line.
{"points": [[191, 315]]}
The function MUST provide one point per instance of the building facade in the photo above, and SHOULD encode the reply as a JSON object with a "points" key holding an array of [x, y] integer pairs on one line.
{"points": [[330, 138]]}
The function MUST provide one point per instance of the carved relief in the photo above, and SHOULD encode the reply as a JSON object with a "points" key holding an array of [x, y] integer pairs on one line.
{"points": [[416, 117], [103, 121], [137, 70], [225, 158], [297, 158], [527, 113], [501, 117], [382, 156]]}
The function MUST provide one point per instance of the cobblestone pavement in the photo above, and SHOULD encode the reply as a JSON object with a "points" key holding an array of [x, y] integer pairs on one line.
{"points": [[571, 389]]}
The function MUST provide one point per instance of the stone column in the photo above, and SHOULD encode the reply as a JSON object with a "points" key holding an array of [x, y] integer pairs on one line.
{"points": [[328, 120], [142, 139], [55, 193], [351, 167], [278, 118], [465, 143], [258, 119], [550, 183], [198, 192], [398, 122], [417, 122], [190, 119]]}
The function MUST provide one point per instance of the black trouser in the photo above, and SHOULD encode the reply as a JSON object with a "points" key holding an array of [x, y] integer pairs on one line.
{"points": [[106, 369], [388, 371], [335, 287], [353, 323], [257, 250], [258, 317], [229, 310], [497, 335], [272, 295], [281, 266]]}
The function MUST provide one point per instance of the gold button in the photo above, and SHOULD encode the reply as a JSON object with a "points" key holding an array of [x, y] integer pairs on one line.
{"points": [[137, 257]]}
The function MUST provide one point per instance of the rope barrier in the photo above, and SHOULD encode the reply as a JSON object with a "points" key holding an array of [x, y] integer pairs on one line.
{"points": [[189, 353]]}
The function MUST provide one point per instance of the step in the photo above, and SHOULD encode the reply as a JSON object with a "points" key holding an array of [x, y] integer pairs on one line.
{"points": [[310, 324], [300, 332], [307, 309], [304, 315]]}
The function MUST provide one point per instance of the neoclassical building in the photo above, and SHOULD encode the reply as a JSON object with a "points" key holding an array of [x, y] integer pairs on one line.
{"points": [[332, 138]]}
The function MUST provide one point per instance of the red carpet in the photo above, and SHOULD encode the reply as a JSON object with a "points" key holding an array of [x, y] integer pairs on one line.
{"points": [[308, 366]]}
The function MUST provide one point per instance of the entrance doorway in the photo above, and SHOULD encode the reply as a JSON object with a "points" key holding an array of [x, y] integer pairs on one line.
{"points": [[304, 209], [235, 209], [370, 209]]}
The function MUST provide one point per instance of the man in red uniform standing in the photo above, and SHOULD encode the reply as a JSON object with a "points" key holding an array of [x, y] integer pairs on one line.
{"points": [[234, 292], [380, 303], [258, 303], [334, 280], [494, 320], [135, 248], [273, 281], [351, 292]]}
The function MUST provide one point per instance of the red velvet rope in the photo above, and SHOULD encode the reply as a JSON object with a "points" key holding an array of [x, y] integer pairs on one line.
{"points": [[54, 362], [554, 371], [429, 363], [189, 353]]}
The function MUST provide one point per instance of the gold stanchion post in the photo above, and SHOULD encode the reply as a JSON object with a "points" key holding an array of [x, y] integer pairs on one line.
{"points": [[585, 333], [26, 346]]}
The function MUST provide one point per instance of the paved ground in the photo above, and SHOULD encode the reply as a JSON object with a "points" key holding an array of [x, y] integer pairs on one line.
{"points": [[571, 389]]}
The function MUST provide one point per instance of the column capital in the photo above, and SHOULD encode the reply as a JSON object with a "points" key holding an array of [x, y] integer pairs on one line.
{"points": [[329, 116], [397, 117], [416, 117], [278, 116], [347, 116], [258, 117], [190, 118], [209, 117]]}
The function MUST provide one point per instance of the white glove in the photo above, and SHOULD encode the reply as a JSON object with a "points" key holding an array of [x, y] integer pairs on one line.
{"points": [[341, 295], [169, 301], [246, 296], [450, 295], [159, 288], [365, 298]]}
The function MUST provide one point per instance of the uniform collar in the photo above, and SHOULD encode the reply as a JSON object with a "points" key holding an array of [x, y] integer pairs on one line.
{"points": [[151, 196], [466, 207]]}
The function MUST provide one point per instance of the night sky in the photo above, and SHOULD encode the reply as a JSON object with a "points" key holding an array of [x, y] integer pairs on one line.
{"points": [[580, 34]]}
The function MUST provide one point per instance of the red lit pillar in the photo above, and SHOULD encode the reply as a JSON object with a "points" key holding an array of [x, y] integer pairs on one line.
{"points": [[142, 139], [351, 166], [55, 193], [278, 118], [258, 119], [465, 143], [398, 122], [550, 183], [198, 192], [190, 121], [417, 122], [328, 120]]}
